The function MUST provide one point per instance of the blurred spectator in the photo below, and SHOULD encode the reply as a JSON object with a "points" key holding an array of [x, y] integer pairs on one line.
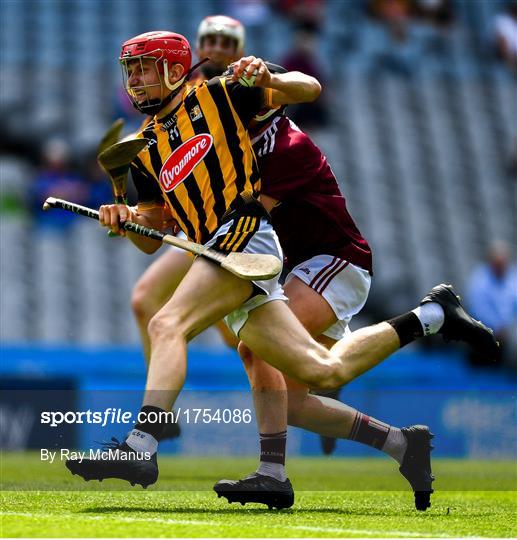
{"points": [[125, 110], [505, 41], [505, 35], [395, 50], [414, 31], [256, 16], [99, 185], [436, 12], [435, 18], [394, 14], [56, 178], [15, 174], [302, 11], [492, 298], [303, 57]]}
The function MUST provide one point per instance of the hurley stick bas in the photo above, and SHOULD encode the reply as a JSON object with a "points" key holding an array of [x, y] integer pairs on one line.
{"points": [[248, 266], [115, 160]]}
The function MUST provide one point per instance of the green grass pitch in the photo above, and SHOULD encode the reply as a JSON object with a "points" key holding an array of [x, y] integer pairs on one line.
{"points": [[334, 498]]}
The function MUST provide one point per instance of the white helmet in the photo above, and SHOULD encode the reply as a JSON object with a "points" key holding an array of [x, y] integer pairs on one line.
{"points": [[221, 25]]}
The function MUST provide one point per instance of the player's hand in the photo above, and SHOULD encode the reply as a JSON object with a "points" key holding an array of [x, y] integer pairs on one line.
{"points": [[250, 66], [171, 224], [113, 216]]}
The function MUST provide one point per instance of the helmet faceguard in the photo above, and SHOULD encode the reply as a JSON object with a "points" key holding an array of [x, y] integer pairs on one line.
{"points": [[164, 49]]}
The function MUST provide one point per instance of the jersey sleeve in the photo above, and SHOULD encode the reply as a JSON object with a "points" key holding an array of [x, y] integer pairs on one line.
{"points": [[248, 102], [146, 186]]}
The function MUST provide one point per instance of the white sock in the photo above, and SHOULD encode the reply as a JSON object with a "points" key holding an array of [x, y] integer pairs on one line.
{"points": [[395, 444], [275, 470], [142, 442], [431, 317]]}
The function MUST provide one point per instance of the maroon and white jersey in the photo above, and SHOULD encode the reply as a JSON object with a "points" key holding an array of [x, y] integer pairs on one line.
{"points": [[311, 218]]}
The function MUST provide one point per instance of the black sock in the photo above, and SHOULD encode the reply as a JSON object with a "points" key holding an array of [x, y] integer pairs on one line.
{"points": [[151, 420], [272, 447], [407, 326]]}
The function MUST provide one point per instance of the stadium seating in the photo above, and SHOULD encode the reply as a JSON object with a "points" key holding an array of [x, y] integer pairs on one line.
{"points": [[421, 158]]}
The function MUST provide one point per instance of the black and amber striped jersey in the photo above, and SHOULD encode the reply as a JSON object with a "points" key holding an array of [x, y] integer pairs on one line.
{"points": [[200, 159]]}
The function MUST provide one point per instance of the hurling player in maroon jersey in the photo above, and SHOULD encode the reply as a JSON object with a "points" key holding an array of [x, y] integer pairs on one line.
{"points": [[329, 267]]}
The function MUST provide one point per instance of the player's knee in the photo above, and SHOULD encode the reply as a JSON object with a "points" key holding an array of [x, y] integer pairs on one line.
{"points": [[250, 364], [165, 326], [141, 304], [324, 375], [245, 354]]}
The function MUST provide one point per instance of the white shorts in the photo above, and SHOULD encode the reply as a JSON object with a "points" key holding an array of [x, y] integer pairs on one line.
{"points": [[343, 285], [264, 240]]}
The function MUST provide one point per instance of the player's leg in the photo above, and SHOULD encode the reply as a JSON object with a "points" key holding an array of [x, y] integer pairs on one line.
{"points": [[269, 483], [203, 297], [289, 349], [155, 287], [321, 414], [267, 383]]}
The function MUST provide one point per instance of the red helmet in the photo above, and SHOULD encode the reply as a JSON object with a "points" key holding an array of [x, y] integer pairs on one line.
{"points": [[166, 49]]}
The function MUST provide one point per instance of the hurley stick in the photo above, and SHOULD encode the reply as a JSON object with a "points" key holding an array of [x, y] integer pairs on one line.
{"points": [[249, 266]]}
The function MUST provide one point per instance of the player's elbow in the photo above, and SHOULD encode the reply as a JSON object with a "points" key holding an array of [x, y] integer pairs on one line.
{"points": [[314, 90]]}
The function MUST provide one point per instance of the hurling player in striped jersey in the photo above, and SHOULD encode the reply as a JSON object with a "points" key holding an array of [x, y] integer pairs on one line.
{"points": [[330, 268]]}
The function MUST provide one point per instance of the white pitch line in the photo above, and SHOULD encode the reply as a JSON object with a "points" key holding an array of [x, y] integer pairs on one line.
{"points": [[170, 521]]}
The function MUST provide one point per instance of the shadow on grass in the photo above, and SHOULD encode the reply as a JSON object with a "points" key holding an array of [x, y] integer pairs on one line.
{"points": [[238, 509]]}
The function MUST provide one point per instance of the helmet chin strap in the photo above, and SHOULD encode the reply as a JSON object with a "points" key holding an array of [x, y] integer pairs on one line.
{"points": [[156, 105]]}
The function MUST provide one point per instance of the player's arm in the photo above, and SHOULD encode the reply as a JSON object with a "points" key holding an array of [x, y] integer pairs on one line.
{"points": [[268, 202], [287, 88]]}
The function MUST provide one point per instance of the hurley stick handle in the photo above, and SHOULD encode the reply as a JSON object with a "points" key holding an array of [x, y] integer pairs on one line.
{"points": [[52, 202]]}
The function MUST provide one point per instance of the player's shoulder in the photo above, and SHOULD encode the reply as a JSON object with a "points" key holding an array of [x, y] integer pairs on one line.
{"points": [[147, 128], [202, 87], [145, 122]]}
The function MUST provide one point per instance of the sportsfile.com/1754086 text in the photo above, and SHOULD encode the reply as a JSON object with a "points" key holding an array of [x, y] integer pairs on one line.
{"points": [[112, 415]]}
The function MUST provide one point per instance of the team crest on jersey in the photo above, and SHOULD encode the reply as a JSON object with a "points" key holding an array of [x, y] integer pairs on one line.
{"points": [[195, 113], [184, 160]]}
